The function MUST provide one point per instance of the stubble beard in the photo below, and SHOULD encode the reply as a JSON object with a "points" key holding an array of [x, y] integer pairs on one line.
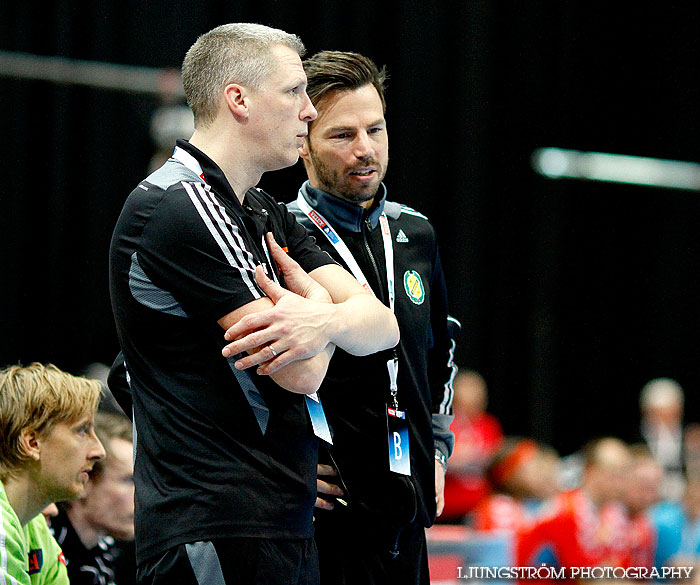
{"points": [[330, 181]]}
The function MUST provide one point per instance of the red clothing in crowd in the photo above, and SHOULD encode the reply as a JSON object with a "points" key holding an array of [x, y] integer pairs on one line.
{"points": [[476, 441], [640, 542], [633, 539], [500, 512], [574, 533]]}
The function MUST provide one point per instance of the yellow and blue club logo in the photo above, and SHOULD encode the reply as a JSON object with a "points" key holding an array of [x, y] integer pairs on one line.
{"points": [[414, 286]]}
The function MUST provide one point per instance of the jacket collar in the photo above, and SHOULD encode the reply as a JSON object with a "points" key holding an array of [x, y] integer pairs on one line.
{"points": [[213, 175], [342, 214]]}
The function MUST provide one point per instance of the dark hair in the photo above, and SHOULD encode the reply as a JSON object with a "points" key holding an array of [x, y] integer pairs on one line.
{"points": [[330, 71]]}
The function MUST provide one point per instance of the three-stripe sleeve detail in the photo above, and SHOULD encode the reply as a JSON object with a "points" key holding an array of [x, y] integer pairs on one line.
{"points": [[446, 404], [225, 232]]}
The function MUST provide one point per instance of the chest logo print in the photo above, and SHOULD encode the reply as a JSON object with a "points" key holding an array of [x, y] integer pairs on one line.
{"points": [[401, 237], [413, 285]]}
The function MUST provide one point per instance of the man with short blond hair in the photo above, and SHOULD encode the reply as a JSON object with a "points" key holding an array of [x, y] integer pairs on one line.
{"points": [[226, 456], [47, 451]]}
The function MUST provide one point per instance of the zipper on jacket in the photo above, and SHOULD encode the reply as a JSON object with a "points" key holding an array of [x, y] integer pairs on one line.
{"points": [[365, 240]]}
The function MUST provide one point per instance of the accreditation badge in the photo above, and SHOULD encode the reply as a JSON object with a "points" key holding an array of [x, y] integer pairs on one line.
{"points": [[318, 418], [397, 430]]}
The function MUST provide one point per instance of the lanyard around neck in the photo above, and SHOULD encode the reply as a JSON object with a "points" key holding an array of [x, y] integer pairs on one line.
{"points": [[345, 253]]}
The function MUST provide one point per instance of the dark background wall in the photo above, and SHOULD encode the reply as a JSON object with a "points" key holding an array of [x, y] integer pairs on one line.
{"points": [[571, 294]]}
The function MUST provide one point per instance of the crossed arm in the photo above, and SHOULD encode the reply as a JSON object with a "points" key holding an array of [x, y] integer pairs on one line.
{"points": [[291, 334]]}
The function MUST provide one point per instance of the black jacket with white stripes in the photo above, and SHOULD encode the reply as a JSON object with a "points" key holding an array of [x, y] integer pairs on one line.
{"points": [[356, 389], [85, 567], [218, 453]]}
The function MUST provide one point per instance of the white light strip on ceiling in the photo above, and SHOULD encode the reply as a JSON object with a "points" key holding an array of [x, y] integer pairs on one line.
{"points": [[111, 76], [616, 168]]}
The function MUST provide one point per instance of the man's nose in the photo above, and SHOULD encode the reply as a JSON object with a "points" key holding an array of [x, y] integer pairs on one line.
{"points": [[308, 113], [98, 451], [363, 146]]}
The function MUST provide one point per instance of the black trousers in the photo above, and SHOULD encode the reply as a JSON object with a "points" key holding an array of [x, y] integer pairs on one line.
{"points": [[354, 555], [234, 561]]}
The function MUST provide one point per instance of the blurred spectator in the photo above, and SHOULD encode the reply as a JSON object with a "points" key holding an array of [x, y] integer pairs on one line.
{"points": [[513, 476], [691, 438], [570, 473], [86, 528], [478, 436], [642, 490], [678, 529], [661, 404], [547, 476], [578, 530]]}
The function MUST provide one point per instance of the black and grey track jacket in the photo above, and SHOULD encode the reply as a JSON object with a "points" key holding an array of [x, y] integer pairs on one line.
{"points": [[356, 389]]}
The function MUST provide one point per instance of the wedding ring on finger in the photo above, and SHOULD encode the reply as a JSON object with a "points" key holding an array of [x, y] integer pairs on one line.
{"points": [[272, 351]]}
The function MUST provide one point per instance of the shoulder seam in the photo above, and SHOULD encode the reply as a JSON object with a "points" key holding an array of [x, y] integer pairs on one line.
{"points": [[410, 211], [394, 210]]}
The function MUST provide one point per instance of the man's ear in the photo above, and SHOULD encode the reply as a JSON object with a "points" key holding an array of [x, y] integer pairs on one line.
{"points": [[30, 444], [236, 97]]}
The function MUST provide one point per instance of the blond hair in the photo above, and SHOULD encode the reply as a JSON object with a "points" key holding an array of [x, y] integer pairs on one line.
{"points": [[38, 397], [230, 53]]}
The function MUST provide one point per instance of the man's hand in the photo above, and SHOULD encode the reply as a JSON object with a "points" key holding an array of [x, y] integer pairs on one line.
{"points": [[300, 327], [439, 487], [295, 325], [294, 329], [327, 487], [296, 279]]}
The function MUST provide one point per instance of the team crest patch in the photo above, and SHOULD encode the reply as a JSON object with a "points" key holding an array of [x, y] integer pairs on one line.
{"points": [[414, 286]]}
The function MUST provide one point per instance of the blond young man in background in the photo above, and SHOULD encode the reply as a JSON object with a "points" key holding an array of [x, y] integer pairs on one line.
{"points": [[47, 452]]}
